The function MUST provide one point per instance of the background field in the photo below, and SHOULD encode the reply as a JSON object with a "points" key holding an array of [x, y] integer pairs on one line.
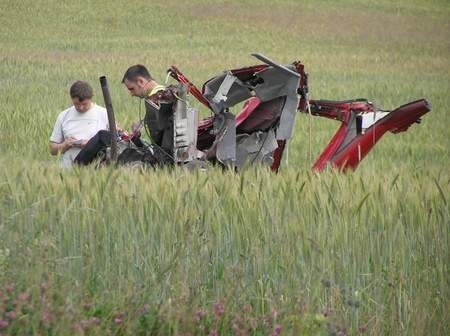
{"points": [[119, 251]]}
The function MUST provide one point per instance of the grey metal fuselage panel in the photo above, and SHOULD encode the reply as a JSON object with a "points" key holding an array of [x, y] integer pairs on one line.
{"points": [[226, 90]]}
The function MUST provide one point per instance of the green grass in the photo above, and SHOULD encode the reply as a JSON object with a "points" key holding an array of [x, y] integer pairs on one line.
{"points": [[120, 251]]}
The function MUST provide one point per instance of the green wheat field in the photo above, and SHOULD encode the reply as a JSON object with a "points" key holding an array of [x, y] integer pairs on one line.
{"points": [[117, 251]]}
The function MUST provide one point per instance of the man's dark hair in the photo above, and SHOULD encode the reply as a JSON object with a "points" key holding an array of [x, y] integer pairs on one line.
{"points": [[136, 71], [81, 90]]}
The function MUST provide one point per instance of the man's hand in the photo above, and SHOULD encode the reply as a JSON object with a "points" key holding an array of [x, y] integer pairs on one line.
{"points": [[136, 129], [62, 147], [68, 143], [82, 143], [119, 129]]}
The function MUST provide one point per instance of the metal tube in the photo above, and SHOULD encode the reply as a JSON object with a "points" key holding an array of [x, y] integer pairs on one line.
{"points": [[111, 118]]}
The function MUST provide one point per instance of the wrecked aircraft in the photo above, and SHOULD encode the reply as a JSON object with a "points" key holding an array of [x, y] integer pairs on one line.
{"points": [[272, 95]]}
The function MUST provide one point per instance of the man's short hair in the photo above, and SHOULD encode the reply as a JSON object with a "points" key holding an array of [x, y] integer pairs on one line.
{"points": [[81, 90], [136, 71]]}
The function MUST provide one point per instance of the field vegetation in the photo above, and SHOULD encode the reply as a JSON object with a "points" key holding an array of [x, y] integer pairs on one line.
{"points": [[117, 251]]}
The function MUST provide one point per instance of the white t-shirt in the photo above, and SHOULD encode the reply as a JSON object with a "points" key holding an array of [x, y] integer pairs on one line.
{"points": [[81, 126]]}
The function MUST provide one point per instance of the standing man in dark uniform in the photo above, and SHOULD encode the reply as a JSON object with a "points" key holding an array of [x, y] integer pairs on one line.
{"points": [[159, 104]]}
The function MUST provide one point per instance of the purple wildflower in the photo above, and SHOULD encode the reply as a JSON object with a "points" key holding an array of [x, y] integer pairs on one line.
{"points": [[47, 318], [144, 309], [87, 305], [3, 324], [119, 319], [94, 320], [247, 308], [84, 324], [44, 287], [219, 310], [362, 329], [277, 330], [23, 296]]}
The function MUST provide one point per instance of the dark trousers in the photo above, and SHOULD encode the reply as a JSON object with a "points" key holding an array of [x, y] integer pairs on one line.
{"points": [[154, 157], [96, 144]]}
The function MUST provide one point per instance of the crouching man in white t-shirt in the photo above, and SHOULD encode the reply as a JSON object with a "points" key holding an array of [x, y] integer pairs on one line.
{"points": [[78, 124]]}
